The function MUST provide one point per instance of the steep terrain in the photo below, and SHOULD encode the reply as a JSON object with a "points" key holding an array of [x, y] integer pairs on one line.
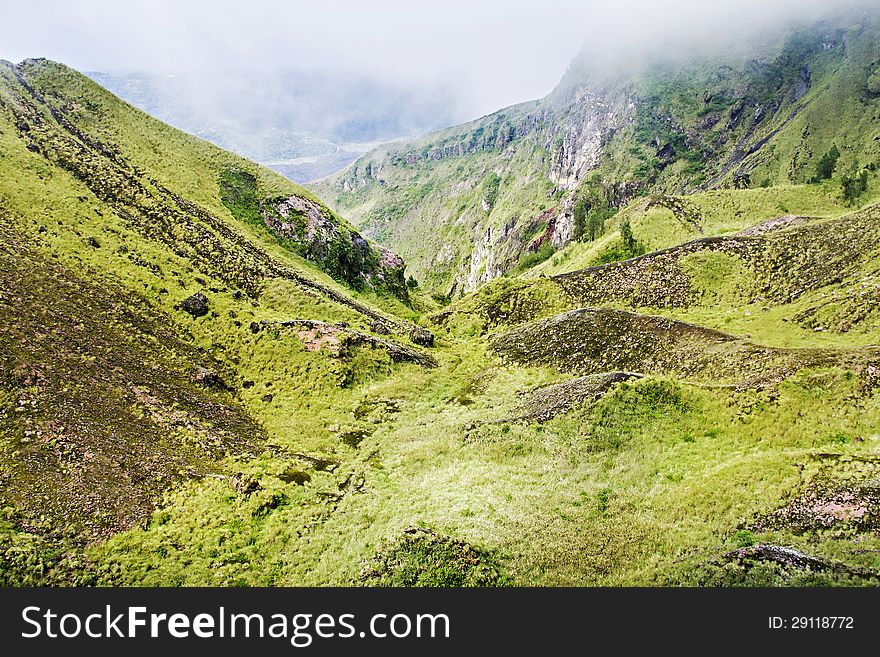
{"points": [[209, 378], [494, 196], [141, 269]]}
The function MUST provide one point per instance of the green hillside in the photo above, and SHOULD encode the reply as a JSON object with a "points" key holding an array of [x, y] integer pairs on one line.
{"points": [[498, 195], [208, 378], [144, 281]]}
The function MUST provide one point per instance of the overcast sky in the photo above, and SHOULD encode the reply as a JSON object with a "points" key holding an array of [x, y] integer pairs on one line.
{"points": [[491, 53]]}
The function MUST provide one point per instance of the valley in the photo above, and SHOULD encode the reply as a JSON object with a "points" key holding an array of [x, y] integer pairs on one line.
{"points": [[627, 335]]}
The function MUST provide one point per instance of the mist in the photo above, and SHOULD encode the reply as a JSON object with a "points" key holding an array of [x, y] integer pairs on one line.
{"points": [[487, 54], [273, 80]]}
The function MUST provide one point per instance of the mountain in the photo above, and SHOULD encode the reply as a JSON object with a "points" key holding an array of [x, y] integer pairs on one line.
{"points": [[209, 378], [303, 124], [494, 196], [138, 263]]}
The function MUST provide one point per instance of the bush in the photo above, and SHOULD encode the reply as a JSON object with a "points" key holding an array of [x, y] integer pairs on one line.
{"points": [[874, 83], [422, 557], [531, 258]]}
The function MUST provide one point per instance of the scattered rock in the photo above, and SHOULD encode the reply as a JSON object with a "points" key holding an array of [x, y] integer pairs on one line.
{"points": [[317, 336], [208, 378], [379, 327], [782, 555], [255, 327], [196, 305], [421, 337], [547, 402], [843, 498], [267, 397], [247, 384], [93, 242]]}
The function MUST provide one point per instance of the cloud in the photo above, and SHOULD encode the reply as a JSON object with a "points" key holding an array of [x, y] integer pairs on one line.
{"points": [[490, 53]]}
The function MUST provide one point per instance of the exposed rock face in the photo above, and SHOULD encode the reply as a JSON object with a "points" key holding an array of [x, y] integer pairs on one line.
{"points": [[665, 128], [306, 226], [590, 115], [341, 252], [482, 266]]}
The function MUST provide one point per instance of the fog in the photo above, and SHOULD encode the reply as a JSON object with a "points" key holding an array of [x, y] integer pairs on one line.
{"points": [[276, 79], [489, 54]]}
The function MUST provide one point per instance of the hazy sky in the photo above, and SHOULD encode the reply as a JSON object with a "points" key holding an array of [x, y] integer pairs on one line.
{"points": [[492, 53]]}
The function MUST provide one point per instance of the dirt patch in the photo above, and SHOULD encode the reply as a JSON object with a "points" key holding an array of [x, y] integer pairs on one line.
{"points": [[547, 402], [843, 497], [99, 409]]}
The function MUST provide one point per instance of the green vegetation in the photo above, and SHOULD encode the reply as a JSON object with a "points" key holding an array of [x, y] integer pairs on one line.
{"points": [[201, 385], [775, 114], [854, 185], [423, 558], [531, 258], [827, 164], [238, 191]]}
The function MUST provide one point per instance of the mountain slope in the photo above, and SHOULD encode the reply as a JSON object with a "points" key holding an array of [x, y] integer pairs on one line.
{"points": [[81, 128], [142, 275], [471, 203], [194, 393]]}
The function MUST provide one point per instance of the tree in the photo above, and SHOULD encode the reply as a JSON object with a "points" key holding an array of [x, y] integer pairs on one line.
{"points": [[874, 83], [595, 224], [854, 186], [827, 164], [579, 219], [629, 240], [412, 283]]}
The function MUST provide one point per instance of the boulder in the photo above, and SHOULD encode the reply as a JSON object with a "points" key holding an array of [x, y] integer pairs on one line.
{"points": [[208, 378], [196, 305], [421, 337]]}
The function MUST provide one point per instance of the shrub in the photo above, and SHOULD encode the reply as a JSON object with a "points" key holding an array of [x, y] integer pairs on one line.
{"points": [[853, 186], [531, 258], [422, 557]]}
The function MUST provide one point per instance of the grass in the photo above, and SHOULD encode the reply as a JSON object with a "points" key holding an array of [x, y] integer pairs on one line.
{"points": [[357, 470], [613, 495]]}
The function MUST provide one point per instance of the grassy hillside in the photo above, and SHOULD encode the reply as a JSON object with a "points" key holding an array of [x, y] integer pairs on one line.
{"points": [[142, 344], [501, 194], [195, 392]]}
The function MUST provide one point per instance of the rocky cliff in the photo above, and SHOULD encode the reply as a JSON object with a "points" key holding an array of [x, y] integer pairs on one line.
{"points": [[465, 205]]}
